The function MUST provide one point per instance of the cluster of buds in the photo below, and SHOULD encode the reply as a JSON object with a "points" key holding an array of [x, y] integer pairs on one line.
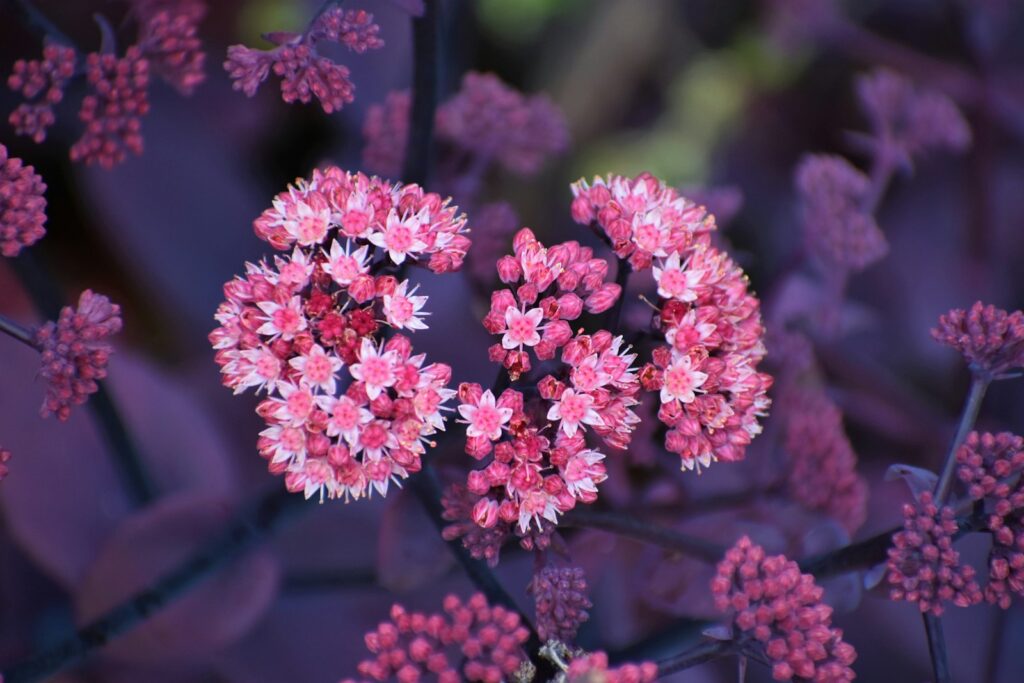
{"points": [[486, 119], [781, 609], [74, 352], [711, 393], [923, 567], [22, 205], [552, 287], [290, 328], [470, 641], [991, 466], [112, 112], [990, 339], [560, 602], [304, 73]]}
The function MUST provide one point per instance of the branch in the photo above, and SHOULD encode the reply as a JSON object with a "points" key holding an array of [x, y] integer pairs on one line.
{"points": [[17, 331], [695, 656], [979, 384], [262, 518], [419, 148], [641, 530], [937, 648]]}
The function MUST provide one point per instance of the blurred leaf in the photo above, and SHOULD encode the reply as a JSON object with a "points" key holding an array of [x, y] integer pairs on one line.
{"points": [[917, 479]]}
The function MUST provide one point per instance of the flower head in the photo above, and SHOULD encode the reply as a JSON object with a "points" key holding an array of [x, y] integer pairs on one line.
{"points": [[22, 205], [990, 339], [561, 603], [169, 39], [74, 352], [41, 83], [112, 112], [782, 610]]}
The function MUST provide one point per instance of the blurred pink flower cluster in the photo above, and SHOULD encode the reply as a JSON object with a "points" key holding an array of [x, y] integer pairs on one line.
{"points": [[111, 113], [560, 601], [990, 339], [782, 610], [594, 667], [304, 72], [991, 465], [923, 566], [470, 641], [22, 205], [74, 351], [291, 327]]}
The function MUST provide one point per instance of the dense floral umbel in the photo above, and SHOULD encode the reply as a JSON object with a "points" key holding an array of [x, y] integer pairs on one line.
{"points": [[642, 217], [41, 83], [549, 288], [112, 111], [781, 609], [990, 339], [487, 120], [839, 230], [168, 37], [991, 466], [74, 352], [304, 73], [923, 566], [907, 121], [561, 603], [822, 464], [5, 457], [542, 466], [593, 668], [493, 121], [470, 641], [485, 543], [292, 328], [22, 205]]}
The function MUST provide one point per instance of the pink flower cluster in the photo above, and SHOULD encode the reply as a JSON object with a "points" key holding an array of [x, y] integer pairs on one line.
{"points": [[991, 466], [923, 567], [304, 73], [907, 121], [471, 641], [552, 286], [42, 83], [781, 609], [486, 118], [290, 328], [168, 37], [990, 339], [594, 667], [493, 121], [74, 352], [643, 219], [112, 112], [839, 230], [822, 464], [5, 457], [561, 603], [22, 205], [485, 543], [711, 393]]}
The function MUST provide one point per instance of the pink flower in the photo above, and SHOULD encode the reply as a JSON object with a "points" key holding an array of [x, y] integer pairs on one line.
{"points": [[485, 418], [318, 368], [990, 339], [403, 310], [675, 280], [282, 320], [343, 265], [923, 568], [112, 113], [22, 205], [47, 77], [385, 133], [780, 609], [74, 352], [681, 380], [594, 667], [304, 73], [521, 328], [573, 411], [375, 369], [400, 237], [470, 641]]}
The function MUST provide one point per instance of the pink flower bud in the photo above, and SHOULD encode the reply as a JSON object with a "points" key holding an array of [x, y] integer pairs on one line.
{"points": [[604, 298], [570, 306], [509, 270], [363, 288]]}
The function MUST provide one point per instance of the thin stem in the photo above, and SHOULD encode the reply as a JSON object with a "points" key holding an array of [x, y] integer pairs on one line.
{"points": [[979, 384], [47, 298], [695, 656], [331, 580], [17, 331], [642, 530], [937, 648], [264, 517], [418, 151], [995, 647]]}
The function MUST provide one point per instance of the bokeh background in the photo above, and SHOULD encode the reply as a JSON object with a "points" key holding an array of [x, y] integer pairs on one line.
{"points": [[722, 97]]}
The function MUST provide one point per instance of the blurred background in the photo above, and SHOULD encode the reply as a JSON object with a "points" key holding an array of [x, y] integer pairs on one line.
{"points": [[719, 97]]}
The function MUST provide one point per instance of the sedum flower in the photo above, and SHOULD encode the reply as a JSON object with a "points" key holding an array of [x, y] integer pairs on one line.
{"points": [[112, 112], [990, 339], [781, 609], [22, 205], [560, 601], [74, 352], [41, 83], [168, 38]]}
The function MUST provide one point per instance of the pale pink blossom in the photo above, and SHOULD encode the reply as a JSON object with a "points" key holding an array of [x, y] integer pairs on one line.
{"points": [[404, 310], [682, 380], [573, 410], [485, 418], [522, 328], [375, 369], [345, 265], [318, 368], [400, 237]]}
